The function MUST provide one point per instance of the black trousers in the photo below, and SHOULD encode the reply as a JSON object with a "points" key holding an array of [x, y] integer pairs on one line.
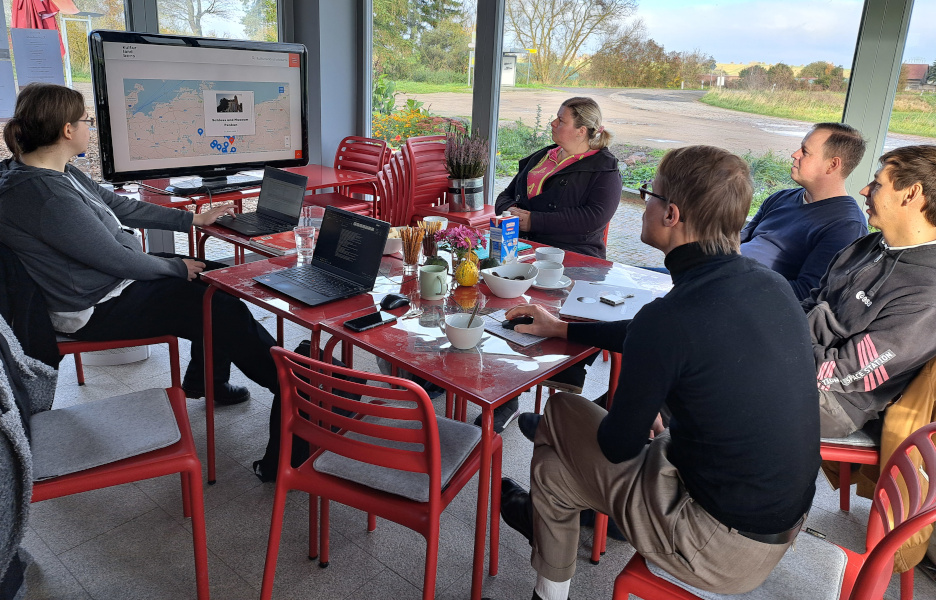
{"points": [[173, 306]]}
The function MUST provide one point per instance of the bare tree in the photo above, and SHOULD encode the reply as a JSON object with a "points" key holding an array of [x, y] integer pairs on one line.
{"points": [[558, 30], [189, 13]]}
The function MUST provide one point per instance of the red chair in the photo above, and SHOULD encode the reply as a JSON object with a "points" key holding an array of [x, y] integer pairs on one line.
{"points": [[392, 458], [68, 345], [856, 449], [365, 155], [424, 158], [107, 427], [399, 213], [896, 514]]}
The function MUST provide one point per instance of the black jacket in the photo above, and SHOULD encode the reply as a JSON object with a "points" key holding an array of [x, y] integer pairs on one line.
{"points": [[576, 204]]}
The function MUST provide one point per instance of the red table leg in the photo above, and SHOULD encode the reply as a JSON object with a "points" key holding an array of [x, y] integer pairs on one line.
{"points": [[484, 488], [209, 380]]}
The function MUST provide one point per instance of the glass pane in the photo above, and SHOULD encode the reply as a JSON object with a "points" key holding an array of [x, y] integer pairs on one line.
{"points": [[73, 31], [672, 73], [913, 118], [236, 19], [423, 52]]}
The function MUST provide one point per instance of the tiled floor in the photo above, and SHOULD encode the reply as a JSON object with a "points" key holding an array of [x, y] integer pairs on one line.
{"points": [[132, 542]]}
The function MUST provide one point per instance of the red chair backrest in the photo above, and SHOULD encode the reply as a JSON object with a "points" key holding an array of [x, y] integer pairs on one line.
{"points": [[400, 194], [425, 169], [898, 512], [307, 386], [366, 155]]}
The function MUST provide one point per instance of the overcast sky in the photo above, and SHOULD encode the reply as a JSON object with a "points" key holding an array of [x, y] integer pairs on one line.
{"points": [[796, 32]]}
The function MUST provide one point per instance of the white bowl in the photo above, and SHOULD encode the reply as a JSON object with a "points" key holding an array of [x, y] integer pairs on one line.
{"points": [[433, 219], [458, 332], [393, 245], [548, 253], [500, 279]]}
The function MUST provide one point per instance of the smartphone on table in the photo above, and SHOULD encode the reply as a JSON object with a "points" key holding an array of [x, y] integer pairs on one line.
{"points": [[369, 321]]}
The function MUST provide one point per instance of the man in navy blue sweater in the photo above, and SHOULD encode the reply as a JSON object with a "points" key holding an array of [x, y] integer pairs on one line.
{"points": [[798, 231], [718, 497]]}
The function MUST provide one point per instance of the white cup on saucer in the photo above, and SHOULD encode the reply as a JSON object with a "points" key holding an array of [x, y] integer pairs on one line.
{"points": [[548, 253], [548, 273]]}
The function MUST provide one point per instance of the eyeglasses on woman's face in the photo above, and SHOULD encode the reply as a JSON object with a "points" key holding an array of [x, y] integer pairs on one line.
{"points": [[645, 192], [89, 121]]}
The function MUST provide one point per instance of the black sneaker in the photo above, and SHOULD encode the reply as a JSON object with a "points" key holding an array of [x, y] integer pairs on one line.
{"points": [[528, 422], [503, 415], [225, 394]]}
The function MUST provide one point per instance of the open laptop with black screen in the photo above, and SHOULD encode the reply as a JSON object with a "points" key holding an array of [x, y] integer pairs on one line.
{"points": [[345, 263], [278, 208]]}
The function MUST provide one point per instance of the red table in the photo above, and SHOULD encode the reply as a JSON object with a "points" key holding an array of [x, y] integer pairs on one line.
{"points": [[488, 375], [319, 177]]}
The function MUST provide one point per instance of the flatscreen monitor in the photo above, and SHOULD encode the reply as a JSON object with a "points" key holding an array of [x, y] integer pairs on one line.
{"points": [[171, 106]]}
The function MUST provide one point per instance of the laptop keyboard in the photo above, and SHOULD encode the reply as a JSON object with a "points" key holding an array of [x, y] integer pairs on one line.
{"points": [[319, 281], [261, 220]]}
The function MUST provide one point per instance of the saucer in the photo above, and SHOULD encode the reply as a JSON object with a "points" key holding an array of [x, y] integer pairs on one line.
{"points": [[563, 282]]}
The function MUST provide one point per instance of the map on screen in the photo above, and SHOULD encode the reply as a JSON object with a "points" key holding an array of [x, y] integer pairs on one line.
{"points": [[200, 118]]}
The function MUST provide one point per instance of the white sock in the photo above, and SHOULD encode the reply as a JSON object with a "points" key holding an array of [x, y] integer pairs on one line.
{"points": [[552, 590]]}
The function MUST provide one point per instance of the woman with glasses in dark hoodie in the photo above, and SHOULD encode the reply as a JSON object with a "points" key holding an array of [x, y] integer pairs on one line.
{"points": [[77, 241]]}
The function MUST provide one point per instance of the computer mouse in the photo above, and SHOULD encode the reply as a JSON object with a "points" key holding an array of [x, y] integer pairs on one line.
{"points": [[391, 301], [511, 323]]}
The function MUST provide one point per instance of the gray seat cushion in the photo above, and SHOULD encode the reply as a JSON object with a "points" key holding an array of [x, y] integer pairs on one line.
{"points": [[859, 439], [456, 441], [812, 569], [80, 437]]}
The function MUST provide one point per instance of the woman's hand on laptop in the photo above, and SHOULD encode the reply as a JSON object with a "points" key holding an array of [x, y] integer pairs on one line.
{"points": [[211, 215], [544, 323]]}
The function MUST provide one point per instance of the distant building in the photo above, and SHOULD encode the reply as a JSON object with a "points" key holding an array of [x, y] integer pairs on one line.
{"points": [[916, 76]]}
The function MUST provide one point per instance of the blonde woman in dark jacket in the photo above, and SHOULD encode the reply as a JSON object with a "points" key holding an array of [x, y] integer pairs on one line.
{"points": [[566, 194]]}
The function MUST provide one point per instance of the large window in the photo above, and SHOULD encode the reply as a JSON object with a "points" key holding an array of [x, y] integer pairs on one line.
{"points": [[913, 118], [747, 75], [237, 19], [422, 67]]}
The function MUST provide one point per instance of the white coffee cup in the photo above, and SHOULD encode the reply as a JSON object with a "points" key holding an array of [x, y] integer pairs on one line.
{"points": [[548, 273], [433, 282], [459, 334], [548, 253]]}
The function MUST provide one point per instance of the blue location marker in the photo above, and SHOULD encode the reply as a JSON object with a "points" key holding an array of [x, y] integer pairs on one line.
{"points": [[201, 132], [214, 143], [233, 149], [224, 150], [225, 145]]}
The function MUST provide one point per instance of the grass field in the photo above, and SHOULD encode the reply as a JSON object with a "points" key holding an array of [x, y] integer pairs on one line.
{"points": [[913, 113]]}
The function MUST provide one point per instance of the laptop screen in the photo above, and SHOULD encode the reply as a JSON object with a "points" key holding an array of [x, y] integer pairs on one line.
{"points": [[282, 192], [350, 245]]}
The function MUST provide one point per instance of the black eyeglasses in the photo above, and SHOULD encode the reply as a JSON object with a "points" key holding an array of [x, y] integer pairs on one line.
{"points": [[645, 191], [89, 121]]}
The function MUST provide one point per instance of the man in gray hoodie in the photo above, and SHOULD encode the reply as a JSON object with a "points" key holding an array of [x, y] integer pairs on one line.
{"points": [[873, 316]]}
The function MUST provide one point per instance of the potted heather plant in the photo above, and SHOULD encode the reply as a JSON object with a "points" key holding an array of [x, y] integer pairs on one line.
{"points": [[466, 159]]}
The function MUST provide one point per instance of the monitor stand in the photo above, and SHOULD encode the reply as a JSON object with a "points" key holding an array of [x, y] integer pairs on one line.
{"points": [[214, 185]]}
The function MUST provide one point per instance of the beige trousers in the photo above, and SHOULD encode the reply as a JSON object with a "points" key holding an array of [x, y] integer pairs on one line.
{"points": [[644, 496]]}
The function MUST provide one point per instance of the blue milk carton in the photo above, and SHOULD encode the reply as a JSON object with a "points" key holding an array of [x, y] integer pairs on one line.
{"points": [[505, 237]]}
